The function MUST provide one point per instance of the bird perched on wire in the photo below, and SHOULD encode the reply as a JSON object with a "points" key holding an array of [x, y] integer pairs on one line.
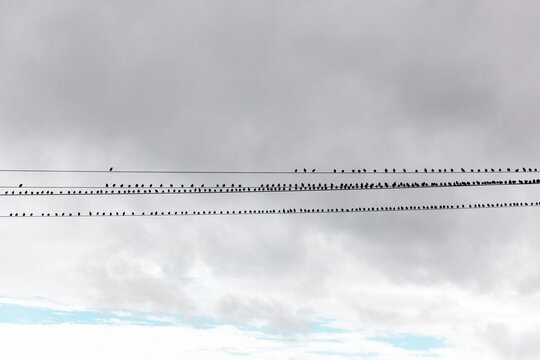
{"points": [[111, 169]]}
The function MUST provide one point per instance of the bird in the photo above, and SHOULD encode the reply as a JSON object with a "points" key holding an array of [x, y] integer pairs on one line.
{"points": [[111, 169], [20, 185], [305, 170]]}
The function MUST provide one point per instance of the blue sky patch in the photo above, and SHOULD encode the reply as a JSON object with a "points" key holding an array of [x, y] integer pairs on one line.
{"points": [[346, 354], [23, 314], [411, 341]]}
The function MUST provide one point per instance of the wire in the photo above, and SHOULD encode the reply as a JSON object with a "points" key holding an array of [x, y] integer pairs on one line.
{"points": [[296, 171], [239, 189], [293, 211]]}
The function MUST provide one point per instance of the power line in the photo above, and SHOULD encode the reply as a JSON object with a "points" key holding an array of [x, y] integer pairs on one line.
{"points": [[290, 172], [284, 211], [239, 189]]}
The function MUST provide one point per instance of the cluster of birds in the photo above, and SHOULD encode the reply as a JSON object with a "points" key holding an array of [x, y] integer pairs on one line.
{"points": [[285, 211], [137, 189], [151, 189], [426, 170]]}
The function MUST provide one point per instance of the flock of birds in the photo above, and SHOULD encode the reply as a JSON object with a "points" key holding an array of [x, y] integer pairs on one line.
{"points": [[417, 171], [151, 189], [284, 211], [141, 189]]}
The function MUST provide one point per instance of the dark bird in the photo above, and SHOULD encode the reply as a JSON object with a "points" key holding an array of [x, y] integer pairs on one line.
{"points": [[305, 170], [20, 185], [110, 169], [295, 170], [313, 170]]}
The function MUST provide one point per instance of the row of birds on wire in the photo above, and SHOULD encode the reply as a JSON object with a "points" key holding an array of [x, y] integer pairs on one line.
{"points": [[296, 171], [283, 211], [141, 189], [417, 171]]}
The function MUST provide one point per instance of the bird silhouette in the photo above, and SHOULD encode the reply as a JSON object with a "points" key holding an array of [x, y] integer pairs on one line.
{"points": [[111, 169]]}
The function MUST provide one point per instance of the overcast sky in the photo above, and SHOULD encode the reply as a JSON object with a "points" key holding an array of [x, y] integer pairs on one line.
{"points": [[270, 85]]}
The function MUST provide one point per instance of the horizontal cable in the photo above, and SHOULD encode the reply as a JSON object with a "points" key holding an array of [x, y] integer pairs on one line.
{"points": [[296, 171], [283, 211], [239, 189]]}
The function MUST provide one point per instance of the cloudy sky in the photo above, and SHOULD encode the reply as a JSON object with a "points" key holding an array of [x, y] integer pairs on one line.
{"points": [[269, 85]]}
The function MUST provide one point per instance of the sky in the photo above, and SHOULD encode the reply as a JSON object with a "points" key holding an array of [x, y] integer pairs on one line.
{"points": [[269, 86]]}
